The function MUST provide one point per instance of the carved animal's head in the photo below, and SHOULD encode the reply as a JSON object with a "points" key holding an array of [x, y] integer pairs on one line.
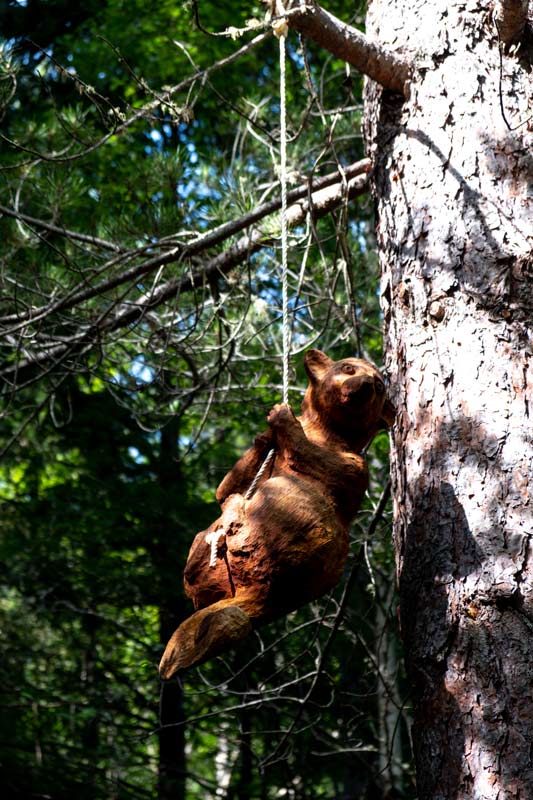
{"points": [[348, 396]]}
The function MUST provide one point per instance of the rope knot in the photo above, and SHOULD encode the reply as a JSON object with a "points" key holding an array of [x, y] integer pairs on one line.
{"points": [[212, 540], [280, 26]]}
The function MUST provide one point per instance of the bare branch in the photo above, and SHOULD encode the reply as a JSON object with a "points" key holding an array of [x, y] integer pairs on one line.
{"points": [[47, 226], [179, 251], [318, 204], [161, 99], [385, 66], [510, 17]]}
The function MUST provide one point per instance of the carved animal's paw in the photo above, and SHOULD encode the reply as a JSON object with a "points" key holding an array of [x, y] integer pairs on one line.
{"points": [[264, 440], [280, 415]]}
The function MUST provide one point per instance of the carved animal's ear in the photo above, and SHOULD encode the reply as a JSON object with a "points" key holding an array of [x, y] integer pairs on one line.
{"points": [[316, 364], [388, 414]]}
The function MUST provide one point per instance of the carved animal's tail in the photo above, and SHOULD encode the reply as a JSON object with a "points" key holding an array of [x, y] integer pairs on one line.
{"points": [[205, 634]]}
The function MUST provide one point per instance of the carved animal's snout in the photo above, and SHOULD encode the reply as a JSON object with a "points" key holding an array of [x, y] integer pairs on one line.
{"points": [[361, 388]]}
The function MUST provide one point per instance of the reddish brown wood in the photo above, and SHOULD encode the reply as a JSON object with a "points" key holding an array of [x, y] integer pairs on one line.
{"points": [[288, 543]]}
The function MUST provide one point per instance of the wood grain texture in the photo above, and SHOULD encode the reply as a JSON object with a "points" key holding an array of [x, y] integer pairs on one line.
{"points": [[287, 544]]}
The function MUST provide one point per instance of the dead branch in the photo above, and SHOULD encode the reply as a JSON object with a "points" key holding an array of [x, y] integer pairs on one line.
{"points": [[385, 66], [177, 252], [318, 204], [47, 226]]}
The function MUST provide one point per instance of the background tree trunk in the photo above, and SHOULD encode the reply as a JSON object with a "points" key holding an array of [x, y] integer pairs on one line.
{"points": [[453, 185], [388, 696], [172, 759]]}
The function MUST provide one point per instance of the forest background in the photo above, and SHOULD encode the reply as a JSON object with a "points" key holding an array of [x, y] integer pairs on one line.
{"points": [[139, 358]]}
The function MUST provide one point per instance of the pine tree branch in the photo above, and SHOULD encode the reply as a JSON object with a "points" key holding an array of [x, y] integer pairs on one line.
{"points": [[384, 66], [125, 314], [164, 98], [177, 252], [510, 17], [69, 234], [318, 204]]}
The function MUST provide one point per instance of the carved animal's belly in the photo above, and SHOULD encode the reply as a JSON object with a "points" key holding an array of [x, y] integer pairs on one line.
{"points": [[285, 547], [296, 543]]}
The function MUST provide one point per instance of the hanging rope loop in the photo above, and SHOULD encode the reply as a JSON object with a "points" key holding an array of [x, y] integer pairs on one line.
{"points": [[281, 29], [286, 333], [212, 540]]}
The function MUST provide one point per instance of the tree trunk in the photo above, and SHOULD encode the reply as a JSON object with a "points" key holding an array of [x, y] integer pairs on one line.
{"points": [[172, 760], [453, 182]]}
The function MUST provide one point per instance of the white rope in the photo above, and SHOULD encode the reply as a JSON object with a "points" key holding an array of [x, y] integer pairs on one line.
{"points": [[280, 28], [262, 468], [212, 540], [286, 332]]}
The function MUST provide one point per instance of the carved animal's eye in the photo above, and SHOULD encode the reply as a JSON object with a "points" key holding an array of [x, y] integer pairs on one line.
{"points": [[348, 369], [380, 388]]}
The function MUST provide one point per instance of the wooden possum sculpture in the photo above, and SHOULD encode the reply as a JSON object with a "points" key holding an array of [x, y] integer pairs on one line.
{"points": [[287, 544]]}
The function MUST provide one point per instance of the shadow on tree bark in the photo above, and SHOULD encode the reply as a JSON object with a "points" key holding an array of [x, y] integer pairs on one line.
{"points": [[432, 553], [466, 626]]}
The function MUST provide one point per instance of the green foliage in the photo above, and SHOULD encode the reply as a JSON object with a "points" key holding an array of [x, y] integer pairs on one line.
{"points": [[115, 443]]}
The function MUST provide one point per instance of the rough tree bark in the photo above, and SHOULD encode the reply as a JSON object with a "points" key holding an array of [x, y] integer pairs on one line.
{"points": [[453, 181]]}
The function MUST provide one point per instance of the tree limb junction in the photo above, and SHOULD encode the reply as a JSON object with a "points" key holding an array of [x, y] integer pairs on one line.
{"points": [[127, 313], [384, 66]]}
